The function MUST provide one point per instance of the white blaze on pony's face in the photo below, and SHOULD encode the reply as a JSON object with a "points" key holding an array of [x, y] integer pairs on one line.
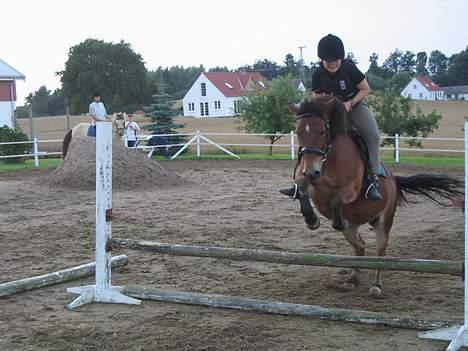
{"points": [[119, 122]]}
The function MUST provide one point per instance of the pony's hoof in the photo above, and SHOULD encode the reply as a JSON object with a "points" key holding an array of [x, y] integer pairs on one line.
{"points": [[376, 292], [315, 225]]}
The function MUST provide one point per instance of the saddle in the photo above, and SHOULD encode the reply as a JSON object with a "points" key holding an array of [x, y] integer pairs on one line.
{"points": [[361, 144]]}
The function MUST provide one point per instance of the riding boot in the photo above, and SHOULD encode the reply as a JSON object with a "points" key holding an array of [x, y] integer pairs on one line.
{"points": [[291, 192], [372, 188]]}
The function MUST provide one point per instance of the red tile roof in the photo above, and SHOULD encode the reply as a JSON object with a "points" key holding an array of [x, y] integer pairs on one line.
{"points": [[428, 83], [233, 84]]}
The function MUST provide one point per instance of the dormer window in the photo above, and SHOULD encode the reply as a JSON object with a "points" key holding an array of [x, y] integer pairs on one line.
{"points": [[203, 89], [228, 85], [261, 84]]}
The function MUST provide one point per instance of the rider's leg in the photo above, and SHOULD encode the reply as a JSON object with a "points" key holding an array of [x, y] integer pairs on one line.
{"points": [[365, 123]]}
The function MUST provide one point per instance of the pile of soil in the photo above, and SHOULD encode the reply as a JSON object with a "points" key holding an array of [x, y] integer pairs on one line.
{"points": [[131, 170]]}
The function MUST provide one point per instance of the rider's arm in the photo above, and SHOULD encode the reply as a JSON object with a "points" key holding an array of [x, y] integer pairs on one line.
{"points": [[364, 90]]}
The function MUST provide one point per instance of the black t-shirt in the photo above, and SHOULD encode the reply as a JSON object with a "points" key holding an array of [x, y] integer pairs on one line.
{"points": [[342, 83]]}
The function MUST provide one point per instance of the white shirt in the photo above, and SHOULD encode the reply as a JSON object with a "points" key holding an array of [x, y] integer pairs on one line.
{"points": [[131, 129], [98, 111]]}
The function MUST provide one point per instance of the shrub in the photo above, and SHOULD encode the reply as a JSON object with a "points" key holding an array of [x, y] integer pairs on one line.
{"points": [[9, 135]]}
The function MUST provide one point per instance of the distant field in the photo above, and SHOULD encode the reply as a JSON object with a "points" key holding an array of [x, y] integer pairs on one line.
{"points": [[451, 126]]}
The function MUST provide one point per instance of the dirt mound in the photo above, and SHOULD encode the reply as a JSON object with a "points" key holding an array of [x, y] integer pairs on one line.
{"points": [[131, 170]]}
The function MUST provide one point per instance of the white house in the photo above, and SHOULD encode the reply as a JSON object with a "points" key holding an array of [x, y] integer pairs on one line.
{"points": [[8, 77], [423, 88], [216, 94]]}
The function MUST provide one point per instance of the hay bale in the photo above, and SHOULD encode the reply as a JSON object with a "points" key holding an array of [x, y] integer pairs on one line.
{"points": [[131, 170]]}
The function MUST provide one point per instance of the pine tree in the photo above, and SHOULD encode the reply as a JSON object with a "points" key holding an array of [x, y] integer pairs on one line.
{"points": [[161, 114]]}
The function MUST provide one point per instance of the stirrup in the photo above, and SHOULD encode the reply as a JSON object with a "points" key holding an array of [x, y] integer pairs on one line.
{"points": [[372, 192], [291, 192]]}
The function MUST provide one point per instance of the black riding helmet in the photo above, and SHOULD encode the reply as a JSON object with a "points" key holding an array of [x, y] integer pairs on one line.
{"points": [[330, 48]]}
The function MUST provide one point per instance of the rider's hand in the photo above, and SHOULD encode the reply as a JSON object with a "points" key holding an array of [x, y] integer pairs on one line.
{"points": [[348, 106]]}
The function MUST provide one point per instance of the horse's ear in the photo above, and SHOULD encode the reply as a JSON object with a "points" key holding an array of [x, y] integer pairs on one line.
{"points": [[293, 108]]}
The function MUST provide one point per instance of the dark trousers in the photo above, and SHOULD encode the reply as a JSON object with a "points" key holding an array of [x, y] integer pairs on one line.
{"points": [[92, 131], [131, 143]]}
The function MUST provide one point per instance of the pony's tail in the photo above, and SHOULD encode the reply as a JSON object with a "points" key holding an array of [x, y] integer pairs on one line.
{"points": [[434, 187], [66, 142]]}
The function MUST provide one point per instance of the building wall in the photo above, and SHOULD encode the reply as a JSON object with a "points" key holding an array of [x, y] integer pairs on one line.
{"points": [[194, 96], [6, 113], [6, 91], [416, 91]]}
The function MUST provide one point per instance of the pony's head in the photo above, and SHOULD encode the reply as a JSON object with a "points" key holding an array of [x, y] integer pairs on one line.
{"points": [[119, 120], [319, 120]]}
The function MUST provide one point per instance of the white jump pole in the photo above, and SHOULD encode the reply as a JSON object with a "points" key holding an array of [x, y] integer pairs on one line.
{"points": [[457, 335], [103, 291]]}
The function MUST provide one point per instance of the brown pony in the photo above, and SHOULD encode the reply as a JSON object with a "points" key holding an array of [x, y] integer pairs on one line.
{"points": [[330, 172]]}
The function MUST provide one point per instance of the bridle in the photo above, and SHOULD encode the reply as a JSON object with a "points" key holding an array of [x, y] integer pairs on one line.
{"points": [[315, 150]]}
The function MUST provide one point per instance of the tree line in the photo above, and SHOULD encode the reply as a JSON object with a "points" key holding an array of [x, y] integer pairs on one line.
{"points": [[120, 75]]}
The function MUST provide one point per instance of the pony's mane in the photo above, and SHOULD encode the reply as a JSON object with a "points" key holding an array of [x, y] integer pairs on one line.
{"points": [[330, 108]]}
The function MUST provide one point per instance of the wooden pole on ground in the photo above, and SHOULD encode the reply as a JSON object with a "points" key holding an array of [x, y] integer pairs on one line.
{"points": [[85, 270], [294, 258], [282, 308]]}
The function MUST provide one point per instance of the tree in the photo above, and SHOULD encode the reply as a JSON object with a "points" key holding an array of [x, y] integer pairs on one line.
{"points": [[290, 66], [376, 82], [397, 114], [56, 104], [399, 81], [374, 68], [457, 72], [392, 64], [421, 62], [161, 113], [39, 101], [437, 66], [408, 62], [267, 112], [350, 56], [269, 69], [113, 69]]}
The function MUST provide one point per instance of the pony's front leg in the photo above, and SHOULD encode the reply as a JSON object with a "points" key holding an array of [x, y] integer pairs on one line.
{"points": [[352, 236], [311, 219], [338, 222]]}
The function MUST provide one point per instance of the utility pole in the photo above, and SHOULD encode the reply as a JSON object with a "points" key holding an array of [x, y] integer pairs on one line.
{"points": [[301, 64]]}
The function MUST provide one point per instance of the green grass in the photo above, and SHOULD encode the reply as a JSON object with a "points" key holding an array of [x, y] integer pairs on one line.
{"points": [[436, 161], [29, 164]]}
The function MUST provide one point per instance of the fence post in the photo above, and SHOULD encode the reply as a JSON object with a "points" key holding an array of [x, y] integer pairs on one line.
{"points": [[198, 144], [292, 145], [397, 148], [36, 152]]}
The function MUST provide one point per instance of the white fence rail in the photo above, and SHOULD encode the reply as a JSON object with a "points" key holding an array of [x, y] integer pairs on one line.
{"points": [[199, 139]]}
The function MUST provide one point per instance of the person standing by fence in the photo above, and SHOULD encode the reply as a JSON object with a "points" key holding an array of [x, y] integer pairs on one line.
{"points": [[98, 113], [131, 131]]}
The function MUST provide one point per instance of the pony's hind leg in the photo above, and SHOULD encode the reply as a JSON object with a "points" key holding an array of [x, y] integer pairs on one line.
{"points": [[381, 232], [352, 236]]}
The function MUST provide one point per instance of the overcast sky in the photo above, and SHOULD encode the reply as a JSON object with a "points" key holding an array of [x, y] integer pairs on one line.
{"points": [[37, 35]]}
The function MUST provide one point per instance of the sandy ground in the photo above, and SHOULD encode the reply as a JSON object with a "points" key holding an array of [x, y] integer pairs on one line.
{"points": [[228, 203]]}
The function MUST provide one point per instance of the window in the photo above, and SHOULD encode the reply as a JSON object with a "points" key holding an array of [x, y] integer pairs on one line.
{"points": [[217, 105], [228, 85], [203, 89], [420, 95], [202, 109], [236, 106], [261, 84], [191, 106], [414, 86], [207, 113]]}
